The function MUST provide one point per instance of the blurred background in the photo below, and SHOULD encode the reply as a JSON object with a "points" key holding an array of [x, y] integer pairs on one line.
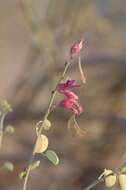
{"points": [[35, 37]]}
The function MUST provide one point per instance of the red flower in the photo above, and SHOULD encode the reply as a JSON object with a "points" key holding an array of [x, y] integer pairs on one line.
{"points": [[76, 47], [72, 101]]}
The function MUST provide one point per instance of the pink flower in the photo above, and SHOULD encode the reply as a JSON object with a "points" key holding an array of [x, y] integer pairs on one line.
{"points": [[70, 95], [72, 101], [73, 105], [76, 47], [69, 84]]}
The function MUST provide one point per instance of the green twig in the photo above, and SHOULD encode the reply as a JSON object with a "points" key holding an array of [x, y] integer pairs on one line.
{"points": [[94, 183], [51, 100], [26, 178]]}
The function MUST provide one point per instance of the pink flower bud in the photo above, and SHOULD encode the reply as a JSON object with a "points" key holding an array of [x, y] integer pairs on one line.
{"points": [[76, 47]]}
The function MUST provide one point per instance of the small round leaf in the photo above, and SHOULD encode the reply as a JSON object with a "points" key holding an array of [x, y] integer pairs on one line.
{"points": [[52, 156], [41, 144], [46, 124]]}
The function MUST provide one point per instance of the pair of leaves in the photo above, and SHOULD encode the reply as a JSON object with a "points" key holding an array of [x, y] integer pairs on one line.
{"points": [[41, 146], [39, 152], [40, 149], [110, 179]]}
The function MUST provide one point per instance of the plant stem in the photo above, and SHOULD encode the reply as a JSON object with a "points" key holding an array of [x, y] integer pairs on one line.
{"points": [[1, 129], [83, 78], [26, 178], [53, 94], [51, 100], [93, 184]]}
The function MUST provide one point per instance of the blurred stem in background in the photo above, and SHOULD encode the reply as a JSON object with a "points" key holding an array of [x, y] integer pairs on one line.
{"points": [[1, 128], [5, 108]]}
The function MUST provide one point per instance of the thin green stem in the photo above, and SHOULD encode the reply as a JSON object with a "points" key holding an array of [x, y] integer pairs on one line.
{"points": [[53, 94], [51, 100], [1, 129], [94, 183], [26, 178]]}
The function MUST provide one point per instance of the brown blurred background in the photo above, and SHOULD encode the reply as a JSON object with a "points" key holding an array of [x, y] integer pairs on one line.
{"points": [[35, 36]]}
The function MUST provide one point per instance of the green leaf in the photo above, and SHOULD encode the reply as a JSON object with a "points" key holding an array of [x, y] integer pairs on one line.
{"points": [[9, 166], [52, 156], [123, 170], [122, 181], [9, 129]]}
